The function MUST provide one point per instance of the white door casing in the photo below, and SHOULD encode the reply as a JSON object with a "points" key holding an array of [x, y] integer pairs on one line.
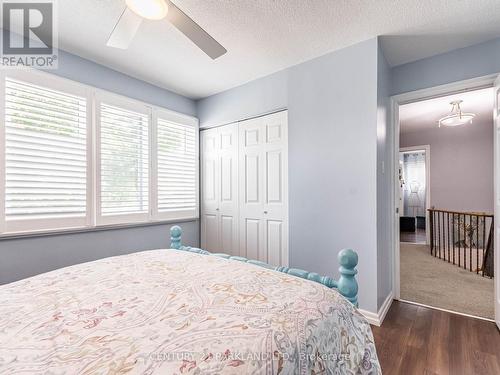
{"points": [[496, 261], [263, 185]]}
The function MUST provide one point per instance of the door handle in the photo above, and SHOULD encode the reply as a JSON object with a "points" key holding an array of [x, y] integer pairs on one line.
{"points": [[265, 212], [216, 209]]}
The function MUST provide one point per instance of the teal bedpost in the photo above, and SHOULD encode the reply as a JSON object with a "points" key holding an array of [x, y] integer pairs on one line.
{"points": [[347, 284], [175, 237]]}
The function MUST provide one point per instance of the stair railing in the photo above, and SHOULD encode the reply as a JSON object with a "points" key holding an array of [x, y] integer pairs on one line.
{"points": [[463, 238]]}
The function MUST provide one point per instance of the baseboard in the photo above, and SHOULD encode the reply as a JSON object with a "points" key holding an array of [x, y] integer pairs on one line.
{"points": [[448, 311], [378, 318], [371, 317]]}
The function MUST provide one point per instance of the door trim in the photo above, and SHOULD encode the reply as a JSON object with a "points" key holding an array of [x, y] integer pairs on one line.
{"points": [[396, 102]]}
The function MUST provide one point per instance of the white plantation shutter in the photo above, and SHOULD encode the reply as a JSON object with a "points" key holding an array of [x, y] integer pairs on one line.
{"points": [[45, 156], [177, 169], [124, 162], [72, 156]]}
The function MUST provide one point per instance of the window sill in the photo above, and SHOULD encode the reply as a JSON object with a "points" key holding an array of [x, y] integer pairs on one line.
{"points": [[56, 232]]}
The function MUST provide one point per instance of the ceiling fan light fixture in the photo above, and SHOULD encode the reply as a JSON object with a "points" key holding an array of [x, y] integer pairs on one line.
{"points": [[149, 9], [456, 116]]}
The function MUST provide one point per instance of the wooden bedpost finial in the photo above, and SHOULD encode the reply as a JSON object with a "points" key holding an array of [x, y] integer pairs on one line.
{"points": [[175, 237], [347, 284]]}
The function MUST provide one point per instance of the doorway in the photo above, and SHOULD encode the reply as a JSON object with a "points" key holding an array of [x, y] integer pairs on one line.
{"points": [[414, 197], [419, 260]]}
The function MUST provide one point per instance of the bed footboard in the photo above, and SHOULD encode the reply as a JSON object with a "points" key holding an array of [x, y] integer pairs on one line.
{"points": [[348, 260]]}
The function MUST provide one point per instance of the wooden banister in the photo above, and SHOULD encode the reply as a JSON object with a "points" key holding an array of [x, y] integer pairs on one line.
{"points": [[461, 212]]}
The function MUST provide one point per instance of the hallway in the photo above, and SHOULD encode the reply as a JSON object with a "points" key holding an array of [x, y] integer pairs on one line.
{"points": [[434, 282]]}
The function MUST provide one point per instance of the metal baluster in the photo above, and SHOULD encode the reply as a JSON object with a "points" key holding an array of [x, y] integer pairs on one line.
{"points": [[465, 243], [477, 243], [453, 235], [484, 244], [471, 240], [439, 235], [448, 233], [431, 219], [459, 240]]}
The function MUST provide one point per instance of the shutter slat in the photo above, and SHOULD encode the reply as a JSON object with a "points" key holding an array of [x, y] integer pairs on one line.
{"points": [[48, 139], [45, 152]]}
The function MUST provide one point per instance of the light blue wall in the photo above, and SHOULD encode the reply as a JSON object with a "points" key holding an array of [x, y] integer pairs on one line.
{"points": [[263, 95], [332, 114], [20, 258], [25, 257], [458, 65], [85, 71], [384, 223]]}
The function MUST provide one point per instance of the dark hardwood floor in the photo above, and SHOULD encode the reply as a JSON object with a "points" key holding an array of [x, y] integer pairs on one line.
{"points": [[418, 236], [419, 340]]}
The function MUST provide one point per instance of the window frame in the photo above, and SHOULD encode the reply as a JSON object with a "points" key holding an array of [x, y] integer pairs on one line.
{"points": [[184, 121], [72, 88], [118, 101], [93, 217]]}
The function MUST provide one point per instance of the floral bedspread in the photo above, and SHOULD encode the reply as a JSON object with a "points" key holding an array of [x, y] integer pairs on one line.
{"points": [[173, 312]]}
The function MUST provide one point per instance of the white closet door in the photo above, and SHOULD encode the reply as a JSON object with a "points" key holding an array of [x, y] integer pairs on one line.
{"points": [[276, 188], [228, 192], [251, 136], [210, 145], [263, 189]]}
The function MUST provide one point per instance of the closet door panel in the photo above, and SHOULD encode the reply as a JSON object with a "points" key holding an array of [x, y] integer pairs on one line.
{"points": [[251, 179], [210, 236], [274, 241], [228, 160], [274, 177], [275, 207], [228, 195], [227, 179], [251, 167], [210, 170], [210, 181], [227, 234], [251, 138], [251, 238], [263, 184], [210, 189]]}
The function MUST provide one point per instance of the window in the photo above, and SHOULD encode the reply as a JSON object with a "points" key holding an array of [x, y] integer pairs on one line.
{"points": [[177, 168], [123, 152], [73, 157], [45, 156]]}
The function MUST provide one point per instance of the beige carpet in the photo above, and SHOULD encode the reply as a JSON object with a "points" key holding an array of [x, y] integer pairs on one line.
{"points": [[432, 281]]}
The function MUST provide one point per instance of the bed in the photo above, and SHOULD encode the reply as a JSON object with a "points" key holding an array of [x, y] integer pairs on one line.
{"points": [[185, 311]]}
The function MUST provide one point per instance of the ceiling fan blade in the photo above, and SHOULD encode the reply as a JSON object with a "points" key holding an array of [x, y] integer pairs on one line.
{"points": [[124, 30], [194, 32]]}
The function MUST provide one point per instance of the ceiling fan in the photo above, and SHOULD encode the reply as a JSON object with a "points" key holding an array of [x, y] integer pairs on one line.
{"points": [[137, 11]]}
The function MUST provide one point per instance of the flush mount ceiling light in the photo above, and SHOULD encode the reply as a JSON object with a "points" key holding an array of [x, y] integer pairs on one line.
{"points": [[149, 9], [456, 116]]}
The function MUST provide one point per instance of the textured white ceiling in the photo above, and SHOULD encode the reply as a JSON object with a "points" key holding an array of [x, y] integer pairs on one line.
{"points": [[264, 36], [424, 115]]}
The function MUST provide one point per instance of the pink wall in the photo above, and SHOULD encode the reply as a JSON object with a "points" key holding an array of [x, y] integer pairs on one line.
{"points": [[461, 165]]}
